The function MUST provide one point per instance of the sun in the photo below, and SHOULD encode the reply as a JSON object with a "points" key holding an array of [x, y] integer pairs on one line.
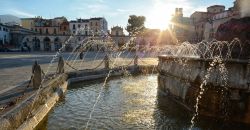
{"points": [[158, 18]]}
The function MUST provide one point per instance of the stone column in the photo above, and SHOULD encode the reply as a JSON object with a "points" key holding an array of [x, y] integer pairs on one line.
{"points": [[31, 45], [136, 61], [41, 46], [52, 45], [106, 61], [60, 68], [37, 75]]}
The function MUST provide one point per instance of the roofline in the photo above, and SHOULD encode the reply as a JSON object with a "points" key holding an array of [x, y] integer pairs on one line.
{"points": [[216, 6], [2, 24]]}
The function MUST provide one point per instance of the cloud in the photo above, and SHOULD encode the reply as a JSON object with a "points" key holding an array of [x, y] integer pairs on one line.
{"points": [[101, 1], [96, 7], [124, 10], [20, 13]]}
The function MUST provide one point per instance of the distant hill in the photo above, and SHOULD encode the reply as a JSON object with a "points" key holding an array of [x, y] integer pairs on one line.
{"points": [[11, 19]]}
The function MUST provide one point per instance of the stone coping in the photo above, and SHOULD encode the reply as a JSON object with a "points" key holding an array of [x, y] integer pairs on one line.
{"points": [[30, 111], [168, 57]]}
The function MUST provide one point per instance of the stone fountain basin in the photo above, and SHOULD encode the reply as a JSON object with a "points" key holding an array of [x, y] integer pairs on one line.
{"points": [[31, 110], [226, 91]]}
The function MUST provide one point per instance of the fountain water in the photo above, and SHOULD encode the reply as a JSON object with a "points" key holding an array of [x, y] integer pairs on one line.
{"points": [[218, 51]]}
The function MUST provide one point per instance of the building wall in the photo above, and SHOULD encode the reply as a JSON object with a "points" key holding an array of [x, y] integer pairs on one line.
{"points": [[120, 41], [45, 43], [182, 27], [216, 9], [98, 26], [117, 31], [27, 23], [48, 30], [217, 20], [54, 26], [4, 34], [92, 26], [199, 20], [74, 25]]}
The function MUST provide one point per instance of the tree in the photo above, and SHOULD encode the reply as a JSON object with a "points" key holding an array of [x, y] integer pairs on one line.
{"points": [[135, 25]]}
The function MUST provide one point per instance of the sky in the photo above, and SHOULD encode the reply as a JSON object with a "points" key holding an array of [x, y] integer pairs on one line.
{"points": [[157, 12]]}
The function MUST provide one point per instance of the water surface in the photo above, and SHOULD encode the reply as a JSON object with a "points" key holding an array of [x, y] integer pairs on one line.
{"points": [[125, 103]]}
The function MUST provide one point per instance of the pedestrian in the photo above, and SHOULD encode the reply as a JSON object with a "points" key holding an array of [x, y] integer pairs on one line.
{"points": [[81, 55]]}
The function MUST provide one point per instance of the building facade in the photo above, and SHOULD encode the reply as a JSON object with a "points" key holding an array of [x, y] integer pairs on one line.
{"points": [[216, 9], [200, 19], [118, 37], [181, 27], [56, 26], [219, 18], [51, 34], [17, 34], [117, 31], [92, 26], [4, 34], [80, 25], [28, 23], [98, 26]]}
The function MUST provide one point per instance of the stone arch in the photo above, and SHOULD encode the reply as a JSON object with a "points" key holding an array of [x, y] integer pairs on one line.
{"points": [[121, 42], [36, 44], [47, 45], [57, 43]]}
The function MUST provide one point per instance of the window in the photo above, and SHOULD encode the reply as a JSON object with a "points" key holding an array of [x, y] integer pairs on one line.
{"points": [[64, 28], [74, 26], [74, 32], [47, 31], [40, 30], [54, 30], [35, 29], [79, 25]]}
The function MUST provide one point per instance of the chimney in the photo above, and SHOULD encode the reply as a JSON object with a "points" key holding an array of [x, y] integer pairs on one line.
{"points": [[181, 12], [176, 11]]}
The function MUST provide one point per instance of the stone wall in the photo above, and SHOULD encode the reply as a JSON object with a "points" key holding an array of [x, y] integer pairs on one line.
{"points": [[27, 114], [226, 89], [32, 110]]}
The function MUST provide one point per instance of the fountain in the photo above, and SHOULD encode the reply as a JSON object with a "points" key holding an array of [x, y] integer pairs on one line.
{"points": [[210, 79]]}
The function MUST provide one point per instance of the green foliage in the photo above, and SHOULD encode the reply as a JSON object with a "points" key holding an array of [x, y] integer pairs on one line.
{"points": [[135, 25]]}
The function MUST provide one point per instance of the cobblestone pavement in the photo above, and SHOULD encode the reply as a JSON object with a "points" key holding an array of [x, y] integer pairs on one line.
{"points": [[15, 68]]}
